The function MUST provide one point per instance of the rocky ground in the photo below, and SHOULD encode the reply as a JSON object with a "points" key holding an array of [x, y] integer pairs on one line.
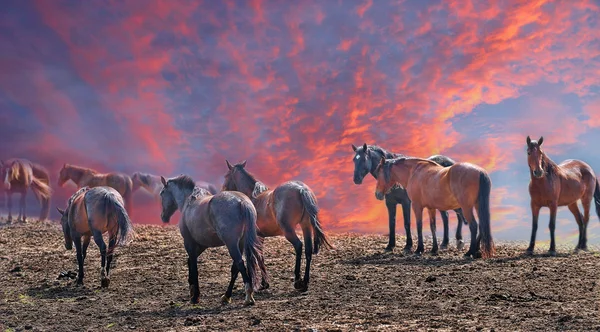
{"points": [[355, 287]]}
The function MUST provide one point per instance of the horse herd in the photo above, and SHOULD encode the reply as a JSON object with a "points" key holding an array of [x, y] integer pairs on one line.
{"points": [[246, 211]]}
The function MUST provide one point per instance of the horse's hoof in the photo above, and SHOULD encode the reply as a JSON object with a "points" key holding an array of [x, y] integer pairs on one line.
{"points": [[460, 245], [477, 254], [105, 282], [299, 284], [444, 246], [552, 253], [434, 252], [79, 283], [249, 302], [388, 249], [264, 286], [467, 254], [225, 299], [407, 250], [529, 252]]}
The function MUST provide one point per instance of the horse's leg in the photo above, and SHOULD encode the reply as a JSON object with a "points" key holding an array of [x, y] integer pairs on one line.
{"points": [[461, 220], [419, 216], [390, 204], [446, 237], [22, 216], [406, 215], [263, 283], [236, 255], [308, 251], [535, 213], [86, 243], [102, 246], [234, 273], [474, 246], [9, 205], [291, 236], [79, 250], [552, 227], [193, 252], [586, 203], [112, 241], [432, 225], [579, 219]]}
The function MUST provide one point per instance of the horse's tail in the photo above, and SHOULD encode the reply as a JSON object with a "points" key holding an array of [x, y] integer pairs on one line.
{"points": [[128, 195], [487, 243], [42, 192], [252, 245], [113, 207], [312, 209], [597, 198]]}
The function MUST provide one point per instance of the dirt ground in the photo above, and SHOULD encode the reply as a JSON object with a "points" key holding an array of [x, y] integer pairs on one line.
{"points": [[355, 287]]}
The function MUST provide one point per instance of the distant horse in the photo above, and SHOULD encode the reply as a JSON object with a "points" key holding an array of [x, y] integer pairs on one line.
{"points": [[152, 184], [82, 177], [93, 212], [227, 218], [553, 185], [18, 176], [279, 210], [366, 159], [432, 186]]}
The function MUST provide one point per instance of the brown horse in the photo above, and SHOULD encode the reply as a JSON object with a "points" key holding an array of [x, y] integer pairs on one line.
{"points": [[434, 187], [278, 211], [93, 212], [87, 177], [553, 185], [19, 175]]}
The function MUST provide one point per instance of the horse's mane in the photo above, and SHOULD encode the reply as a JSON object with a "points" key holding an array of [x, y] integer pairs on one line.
{"points": [[184, 181], [387, 166], [549, 165], [81, 168], [199, 193], [385, 153], [145, 177], [258, 186]]}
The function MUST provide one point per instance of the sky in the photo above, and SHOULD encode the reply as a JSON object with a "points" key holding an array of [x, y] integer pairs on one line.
{"points": [[170, 87]]}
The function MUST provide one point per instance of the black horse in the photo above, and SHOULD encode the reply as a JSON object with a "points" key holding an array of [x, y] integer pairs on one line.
{"points": [[366, 159]]}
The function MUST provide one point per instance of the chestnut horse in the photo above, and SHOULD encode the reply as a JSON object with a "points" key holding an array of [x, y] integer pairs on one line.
{"points": [[152, 184], [87, 177], [366, 159], [278, 211], [92, 212], [553, 185], [431, 186], [225, 219], [19, 175]]}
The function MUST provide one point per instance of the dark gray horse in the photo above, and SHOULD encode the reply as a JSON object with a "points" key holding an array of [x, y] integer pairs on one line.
{"points": [[227, 218], [366, 159]]}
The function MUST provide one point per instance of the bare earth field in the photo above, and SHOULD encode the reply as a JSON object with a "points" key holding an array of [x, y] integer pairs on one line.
{"points": [[355, 287]]}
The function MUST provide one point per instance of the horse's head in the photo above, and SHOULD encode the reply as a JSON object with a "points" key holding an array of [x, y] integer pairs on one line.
{"points": [[363, 162], [63, 175], [233, 177], [535, 157], [64, 221], [167, 199]]}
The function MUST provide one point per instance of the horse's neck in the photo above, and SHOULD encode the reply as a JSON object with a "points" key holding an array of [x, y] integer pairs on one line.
{"points": [[400, 173], [181, 196], [78, 175]]}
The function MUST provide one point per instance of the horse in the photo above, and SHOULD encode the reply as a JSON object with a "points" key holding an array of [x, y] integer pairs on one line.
{"points": [[226, 218], [553, 185], [366, 159], [152, 184], [18, 176], [91, 212], [278, 211], [82, 177], [432, 186]]}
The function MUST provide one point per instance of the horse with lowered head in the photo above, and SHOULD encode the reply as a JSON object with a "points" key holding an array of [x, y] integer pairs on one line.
{"points": [[87, 177], [278, 211], [19, 175], [227, 218], [91, 212], [152, 184]]}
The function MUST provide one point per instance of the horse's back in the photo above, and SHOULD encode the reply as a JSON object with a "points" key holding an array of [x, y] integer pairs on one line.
{"points": [[444, 161], [78, 216], [577, 180], [119, 181], [97, 201]]}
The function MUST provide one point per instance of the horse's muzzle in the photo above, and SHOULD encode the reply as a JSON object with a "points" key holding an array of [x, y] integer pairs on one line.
{"points": [[164, 218], [379, 195]]}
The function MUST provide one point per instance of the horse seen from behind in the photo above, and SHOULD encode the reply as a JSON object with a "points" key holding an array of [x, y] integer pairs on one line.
{"points": [[552, 185], [227, 218], [432, 186], [91, 212], [18, 176], [278, 211]]}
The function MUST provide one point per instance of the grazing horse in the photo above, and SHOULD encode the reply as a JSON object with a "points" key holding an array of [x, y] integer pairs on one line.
{"points": [[279, 210], [553, 185], [91, 212], [83, 177], [227, 218], [366, 159], [19, 175], [432, 186], [152, 184]]}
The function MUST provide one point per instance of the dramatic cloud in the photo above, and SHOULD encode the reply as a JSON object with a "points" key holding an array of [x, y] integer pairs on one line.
{"points": [[175, 87]]}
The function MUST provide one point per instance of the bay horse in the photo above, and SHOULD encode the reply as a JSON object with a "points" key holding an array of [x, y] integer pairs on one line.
{"points": [[91, 212], [18, 175], [152, 183], [366, 159], [83, 177], [553, 185], [227, 218], [432, 186], [278, 211]]}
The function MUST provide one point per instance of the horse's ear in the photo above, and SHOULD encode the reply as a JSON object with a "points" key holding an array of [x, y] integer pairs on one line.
{"points": [[528, 140], [541, 140], [354, 148], [62, 212], [228, 164], [243, 164], [162, 179], [365, 147]]}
